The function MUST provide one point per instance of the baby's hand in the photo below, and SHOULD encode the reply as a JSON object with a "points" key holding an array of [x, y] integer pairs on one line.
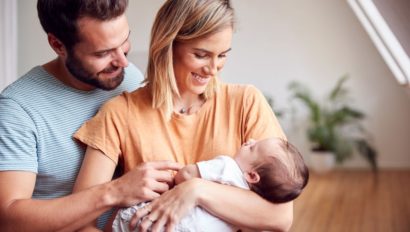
{"points": [[249, 142], [186, 173]]}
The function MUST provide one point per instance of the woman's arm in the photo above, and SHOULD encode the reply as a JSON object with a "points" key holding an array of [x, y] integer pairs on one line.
{"points": [[239, 207], [96, 169], [244, 208]]}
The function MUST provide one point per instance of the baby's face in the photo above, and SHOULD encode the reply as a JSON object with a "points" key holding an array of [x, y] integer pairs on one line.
{"points": [[253, 151]]}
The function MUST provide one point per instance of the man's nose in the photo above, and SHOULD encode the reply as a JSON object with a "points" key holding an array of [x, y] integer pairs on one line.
{"points": [[120, 59]]}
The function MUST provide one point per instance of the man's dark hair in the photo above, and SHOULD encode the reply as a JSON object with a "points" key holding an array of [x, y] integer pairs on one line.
{"points": [[279, 182], [59, 17]]}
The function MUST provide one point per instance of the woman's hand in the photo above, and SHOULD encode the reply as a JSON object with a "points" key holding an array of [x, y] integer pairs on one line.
{"points": [[167, 210]]}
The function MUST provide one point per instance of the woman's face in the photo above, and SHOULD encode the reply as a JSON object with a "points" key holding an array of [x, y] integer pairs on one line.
{"points": [[198, 61]]}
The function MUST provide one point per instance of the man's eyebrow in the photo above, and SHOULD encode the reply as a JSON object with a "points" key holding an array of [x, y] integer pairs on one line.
{"points": [[206, 51], [110, 49]]}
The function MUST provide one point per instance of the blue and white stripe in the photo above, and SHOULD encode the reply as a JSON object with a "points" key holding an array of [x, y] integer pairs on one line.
{"points": [[38, 116]]}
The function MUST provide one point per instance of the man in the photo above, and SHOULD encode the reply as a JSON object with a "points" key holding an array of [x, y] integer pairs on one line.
{"points": [[39, 113]]}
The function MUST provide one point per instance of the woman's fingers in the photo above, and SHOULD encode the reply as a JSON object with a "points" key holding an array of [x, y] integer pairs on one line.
{"points": [[146, 223], [141, 213], [155, 221], [170, 226], [158, 223], [167, 210]]}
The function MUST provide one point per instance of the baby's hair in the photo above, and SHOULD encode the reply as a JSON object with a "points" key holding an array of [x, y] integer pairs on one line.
{"points": [[282, 175]]}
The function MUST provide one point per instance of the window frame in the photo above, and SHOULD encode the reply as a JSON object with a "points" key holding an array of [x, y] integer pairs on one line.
{"points": [[384, 39]]}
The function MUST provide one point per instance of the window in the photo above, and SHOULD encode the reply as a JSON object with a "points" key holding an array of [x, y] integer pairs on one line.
{"points": [[387, 23]]}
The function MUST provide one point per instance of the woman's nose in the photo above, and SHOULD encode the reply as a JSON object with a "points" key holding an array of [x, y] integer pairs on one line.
{"points": [[211, 68]]}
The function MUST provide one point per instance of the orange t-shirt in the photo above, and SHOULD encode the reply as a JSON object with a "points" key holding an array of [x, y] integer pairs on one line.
{"points": [[129, 131]]}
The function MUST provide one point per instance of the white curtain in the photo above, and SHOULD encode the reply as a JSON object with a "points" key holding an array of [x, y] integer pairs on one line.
{"points": [[8, 42]]}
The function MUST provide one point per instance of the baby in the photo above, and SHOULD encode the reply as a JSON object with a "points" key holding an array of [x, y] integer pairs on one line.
{"points": [[273, 168]]}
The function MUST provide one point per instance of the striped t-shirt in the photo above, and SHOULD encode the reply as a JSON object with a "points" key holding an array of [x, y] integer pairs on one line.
{"points": [[38, 116]]}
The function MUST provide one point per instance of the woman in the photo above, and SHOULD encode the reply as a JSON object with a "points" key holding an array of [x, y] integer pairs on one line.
{"points": [[185, 114]]}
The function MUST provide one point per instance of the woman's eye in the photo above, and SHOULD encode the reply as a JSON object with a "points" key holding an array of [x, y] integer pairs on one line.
{"points": [[197, 55], [222, 56]]}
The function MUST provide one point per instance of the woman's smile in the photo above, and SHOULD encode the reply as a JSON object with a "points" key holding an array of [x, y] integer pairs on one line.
{"points": [[200, 80]]}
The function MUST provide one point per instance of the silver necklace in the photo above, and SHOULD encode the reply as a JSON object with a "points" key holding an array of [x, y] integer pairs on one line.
{"points": [[186, 110]]}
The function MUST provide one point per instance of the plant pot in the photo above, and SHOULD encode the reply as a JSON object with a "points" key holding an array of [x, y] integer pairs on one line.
{"points": [[321, 161]]}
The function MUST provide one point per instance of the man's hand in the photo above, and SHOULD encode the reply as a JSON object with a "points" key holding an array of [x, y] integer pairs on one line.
{"points": [[145, 182]]}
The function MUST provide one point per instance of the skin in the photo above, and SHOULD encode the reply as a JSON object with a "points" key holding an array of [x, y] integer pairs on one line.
{"points": [[100, 59], [255, 152], [204, 57], [197, 62], [250, 209], [249, 153], [101, 54], [18, 211]]}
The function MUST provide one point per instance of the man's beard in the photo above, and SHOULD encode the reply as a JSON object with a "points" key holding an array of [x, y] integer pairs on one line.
{"points": [[76, 69]]}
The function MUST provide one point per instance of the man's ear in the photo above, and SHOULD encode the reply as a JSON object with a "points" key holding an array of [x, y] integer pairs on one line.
{"points": [[252, 177], [57, 45]]}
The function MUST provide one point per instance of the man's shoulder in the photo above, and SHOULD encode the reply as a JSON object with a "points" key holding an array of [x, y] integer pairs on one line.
{"points": [[132, 78], [131, 69], [25, 83]]}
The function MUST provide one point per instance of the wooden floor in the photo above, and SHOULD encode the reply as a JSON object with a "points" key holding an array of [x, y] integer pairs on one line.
{"points": [[354, 201]]}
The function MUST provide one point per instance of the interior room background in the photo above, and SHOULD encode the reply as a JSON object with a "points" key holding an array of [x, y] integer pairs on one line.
{"points": [[276, 42]]}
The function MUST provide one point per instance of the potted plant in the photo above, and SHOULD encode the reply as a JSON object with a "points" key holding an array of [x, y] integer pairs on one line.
{"points": [[334, 126], [271, 102]]}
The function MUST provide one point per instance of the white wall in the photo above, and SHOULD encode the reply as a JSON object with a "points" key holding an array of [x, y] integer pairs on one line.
{"points": [[33, 47], [8, 42], [313, 41]]}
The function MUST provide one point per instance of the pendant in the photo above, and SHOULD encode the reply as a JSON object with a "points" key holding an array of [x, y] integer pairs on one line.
{"points": [[183, 111]]}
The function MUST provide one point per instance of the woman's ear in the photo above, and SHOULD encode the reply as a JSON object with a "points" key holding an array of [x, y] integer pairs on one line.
{"points": [[57, 45], [252, 177]]}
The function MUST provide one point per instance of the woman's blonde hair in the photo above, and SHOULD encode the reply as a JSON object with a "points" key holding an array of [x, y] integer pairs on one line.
{"points": [[180, 21]]}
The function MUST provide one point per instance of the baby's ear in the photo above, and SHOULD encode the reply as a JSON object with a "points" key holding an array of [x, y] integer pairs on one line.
{"points": [[252, 177]]}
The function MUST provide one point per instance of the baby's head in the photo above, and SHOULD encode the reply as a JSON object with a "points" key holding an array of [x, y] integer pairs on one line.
{"points": [[273, 168]]}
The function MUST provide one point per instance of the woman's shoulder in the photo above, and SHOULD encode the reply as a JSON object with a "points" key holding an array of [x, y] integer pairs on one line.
{"points": [[124, 100], [239, 90]]}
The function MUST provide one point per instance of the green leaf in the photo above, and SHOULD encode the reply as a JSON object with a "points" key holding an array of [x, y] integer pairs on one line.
{"points": [[339, 91], [327, 120]]}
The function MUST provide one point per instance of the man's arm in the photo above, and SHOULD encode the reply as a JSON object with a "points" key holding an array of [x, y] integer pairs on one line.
{"points": [[18, 165], [18, 212], [145, 182]]}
